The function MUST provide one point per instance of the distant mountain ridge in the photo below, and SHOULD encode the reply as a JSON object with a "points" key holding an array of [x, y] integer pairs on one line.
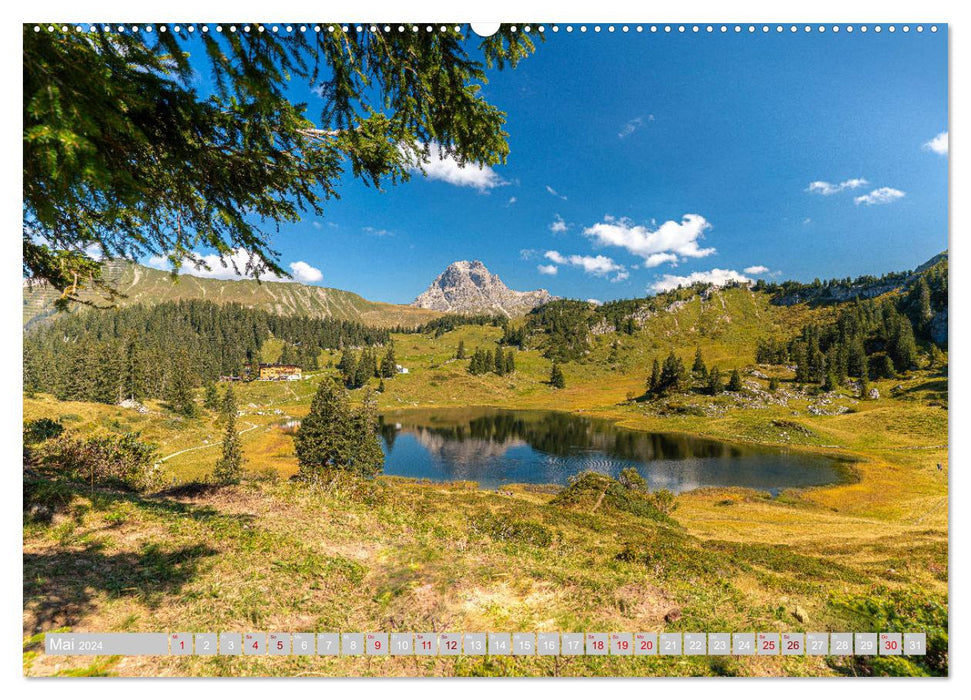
{"points": [[146, 285], [467, 287]]}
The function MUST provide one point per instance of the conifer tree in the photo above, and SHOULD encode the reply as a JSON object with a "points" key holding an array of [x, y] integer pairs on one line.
{"points": [[499, 362], [333, 436], [735, 381], [557, 380], [654, 382], [460, 351], [229, 468], [212, 397], [715, 382], [347, 367], [389, 365], [180, 394], [864, 386], [698, 368], [510, 362], [774, 384]]}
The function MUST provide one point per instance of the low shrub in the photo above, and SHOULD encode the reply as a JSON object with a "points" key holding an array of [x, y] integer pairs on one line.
{"points": [[509, 529], [114, 460]]}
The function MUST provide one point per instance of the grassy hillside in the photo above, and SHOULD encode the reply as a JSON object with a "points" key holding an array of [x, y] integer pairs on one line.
{"points": [[867, 554], [144, 285]]}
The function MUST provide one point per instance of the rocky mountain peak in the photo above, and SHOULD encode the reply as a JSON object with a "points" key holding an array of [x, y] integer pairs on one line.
{"points": [[467, 286]]}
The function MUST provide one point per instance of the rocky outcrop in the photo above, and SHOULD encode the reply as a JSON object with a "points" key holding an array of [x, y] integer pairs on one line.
{"points": [[468, 287]]}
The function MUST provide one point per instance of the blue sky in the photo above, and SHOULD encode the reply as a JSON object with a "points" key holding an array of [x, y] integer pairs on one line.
{"points": [[641, 160]]}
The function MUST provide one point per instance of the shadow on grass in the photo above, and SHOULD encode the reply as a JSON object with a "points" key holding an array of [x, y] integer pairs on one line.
{"points": [[61, 587]]}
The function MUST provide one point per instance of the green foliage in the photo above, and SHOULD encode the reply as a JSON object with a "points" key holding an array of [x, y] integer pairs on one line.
{"points": [[716, 384], [870, 337], [631, 479], [460, 351], [449, 322], [155, 352], [699, 369], [595, 492], [735, 381], [774, 384], [179, 396], [884, 609], [672, 377], [229, 468], [513, 530], [557, 379], [111, 460], [485, 361], [211, 400], [566, 325], [123, 153], [336, 437], [389, 365], [41, 429]]}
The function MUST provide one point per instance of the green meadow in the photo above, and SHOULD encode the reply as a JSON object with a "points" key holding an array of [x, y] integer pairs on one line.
{"points": [[390, 554]]}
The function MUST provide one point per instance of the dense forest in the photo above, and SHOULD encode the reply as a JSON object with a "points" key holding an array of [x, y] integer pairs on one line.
{"points": [[162, 351], [870, 338]]}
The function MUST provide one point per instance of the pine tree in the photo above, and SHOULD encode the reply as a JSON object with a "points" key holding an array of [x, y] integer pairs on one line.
{"points": [[715, 383], [229, 468], [735, 381], [856, 357], [460, 351], [864, 386], [363, 371], [884, 368], [389, 365], [774, 384], [830, 380], [212, 397], [698, 368], [902, 348], [654, 382], [347, 367], [557, 380], [333, 436], [134, 369], [674, 376], [180, 392], [499, 362], [510, 362]]}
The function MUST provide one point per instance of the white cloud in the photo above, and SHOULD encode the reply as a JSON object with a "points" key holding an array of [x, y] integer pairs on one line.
{"points": [[237, 266], [632, 126], [620, 276], [828, 188], [656, 259], [559, 225], [806, 221], [716, 277], [512, 200], [595, 302], [316, 224], [439, 165], [882, 195], [304, 272], [756, 270], [547, 269], [938, 144], [555, 193], [663, 244], [379, 232], [597, 265]]}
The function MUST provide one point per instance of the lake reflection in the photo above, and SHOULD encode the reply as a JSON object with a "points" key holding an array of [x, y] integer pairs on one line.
{"points": [[495, 447]]}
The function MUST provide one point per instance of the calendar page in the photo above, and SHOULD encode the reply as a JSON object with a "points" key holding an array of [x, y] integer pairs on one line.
{"points": [[441, 349]]}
